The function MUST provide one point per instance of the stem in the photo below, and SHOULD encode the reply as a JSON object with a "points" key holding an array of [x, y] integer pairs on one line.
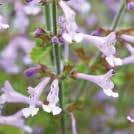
{"points": [[57, 61], [118, 16], [115, 24], [48, 19]]}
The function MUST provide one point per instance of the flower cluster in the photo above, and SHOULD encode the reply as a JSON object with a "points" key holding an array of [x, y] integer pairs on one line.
{"points": [[20, 46], [20, 43], [9, 95]]}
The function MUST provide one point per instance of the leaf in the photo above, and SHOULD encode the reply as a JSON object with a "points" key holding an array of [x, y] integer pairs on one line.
{"points": [[41, 54], [81, 67]]}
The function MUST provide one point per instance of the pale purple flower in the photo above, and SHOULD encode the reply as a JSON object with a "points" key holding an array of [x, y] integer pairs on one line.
{"points": [[131, 119], [53, 98], [30, 111], [113, 5], [21, 21], [97, 32], [111, 111], [16, 120], [114, 61], [130, 5], [70, 33], [130, 49], [107, 46], [9, 66], [127, 38], [129, 59], [35, 94], [32, 9], [100, 96], [2, 24], [82, 6], [71, 29], [10, 54], [102, 80], [9, 95], [32, 71], [73, 124], [91, 20]]}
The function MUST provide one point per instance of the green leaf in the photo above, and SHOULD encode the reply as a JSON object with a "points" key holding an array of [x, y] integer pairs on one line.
{"points": [[41, 54]]}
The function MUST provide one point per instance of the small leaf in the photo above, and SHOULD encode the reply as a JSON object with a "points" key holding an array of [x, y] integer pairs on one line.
{"points": [[41, 54]]}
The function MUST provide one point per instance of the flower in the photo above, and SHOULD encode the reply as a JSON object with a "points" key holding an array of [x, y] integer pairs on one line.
{"points": [[130, 119], [30, 111], [35, 94], [130, 4], [32, 71], [105, 44], [15, 120], [70, 27], [130, 48], [11, 96], [21, 20], [127, 38], [73, 121], [31, 9], [9, 66], [9, 55], [129, 59], [112, 5], [3, 25], [53, 99], [102, 80], [114, 61], [82, 6]]}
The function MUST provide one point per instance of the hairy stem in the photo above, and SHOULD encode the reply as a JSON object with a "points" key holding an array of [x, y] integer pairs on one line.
{"points": [[57, 62], [48, 19]]}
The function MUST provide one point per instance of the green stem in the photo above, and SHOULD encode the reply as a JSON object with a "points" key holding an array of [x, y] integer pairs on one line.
{"points": [[115, 24], [118, 16], [57, 61], [48, 20], [48, 17]]}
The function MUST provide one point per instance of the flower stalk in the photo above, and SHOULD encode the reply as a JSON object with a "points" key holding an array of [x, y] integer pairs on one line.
{"points": [[57, 63], [118, 17]]}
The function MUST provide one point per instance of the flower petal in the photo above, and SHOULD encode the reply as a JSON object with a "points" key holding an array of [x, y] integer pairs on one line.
{"points": [[46, 108], [56, 110]]}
